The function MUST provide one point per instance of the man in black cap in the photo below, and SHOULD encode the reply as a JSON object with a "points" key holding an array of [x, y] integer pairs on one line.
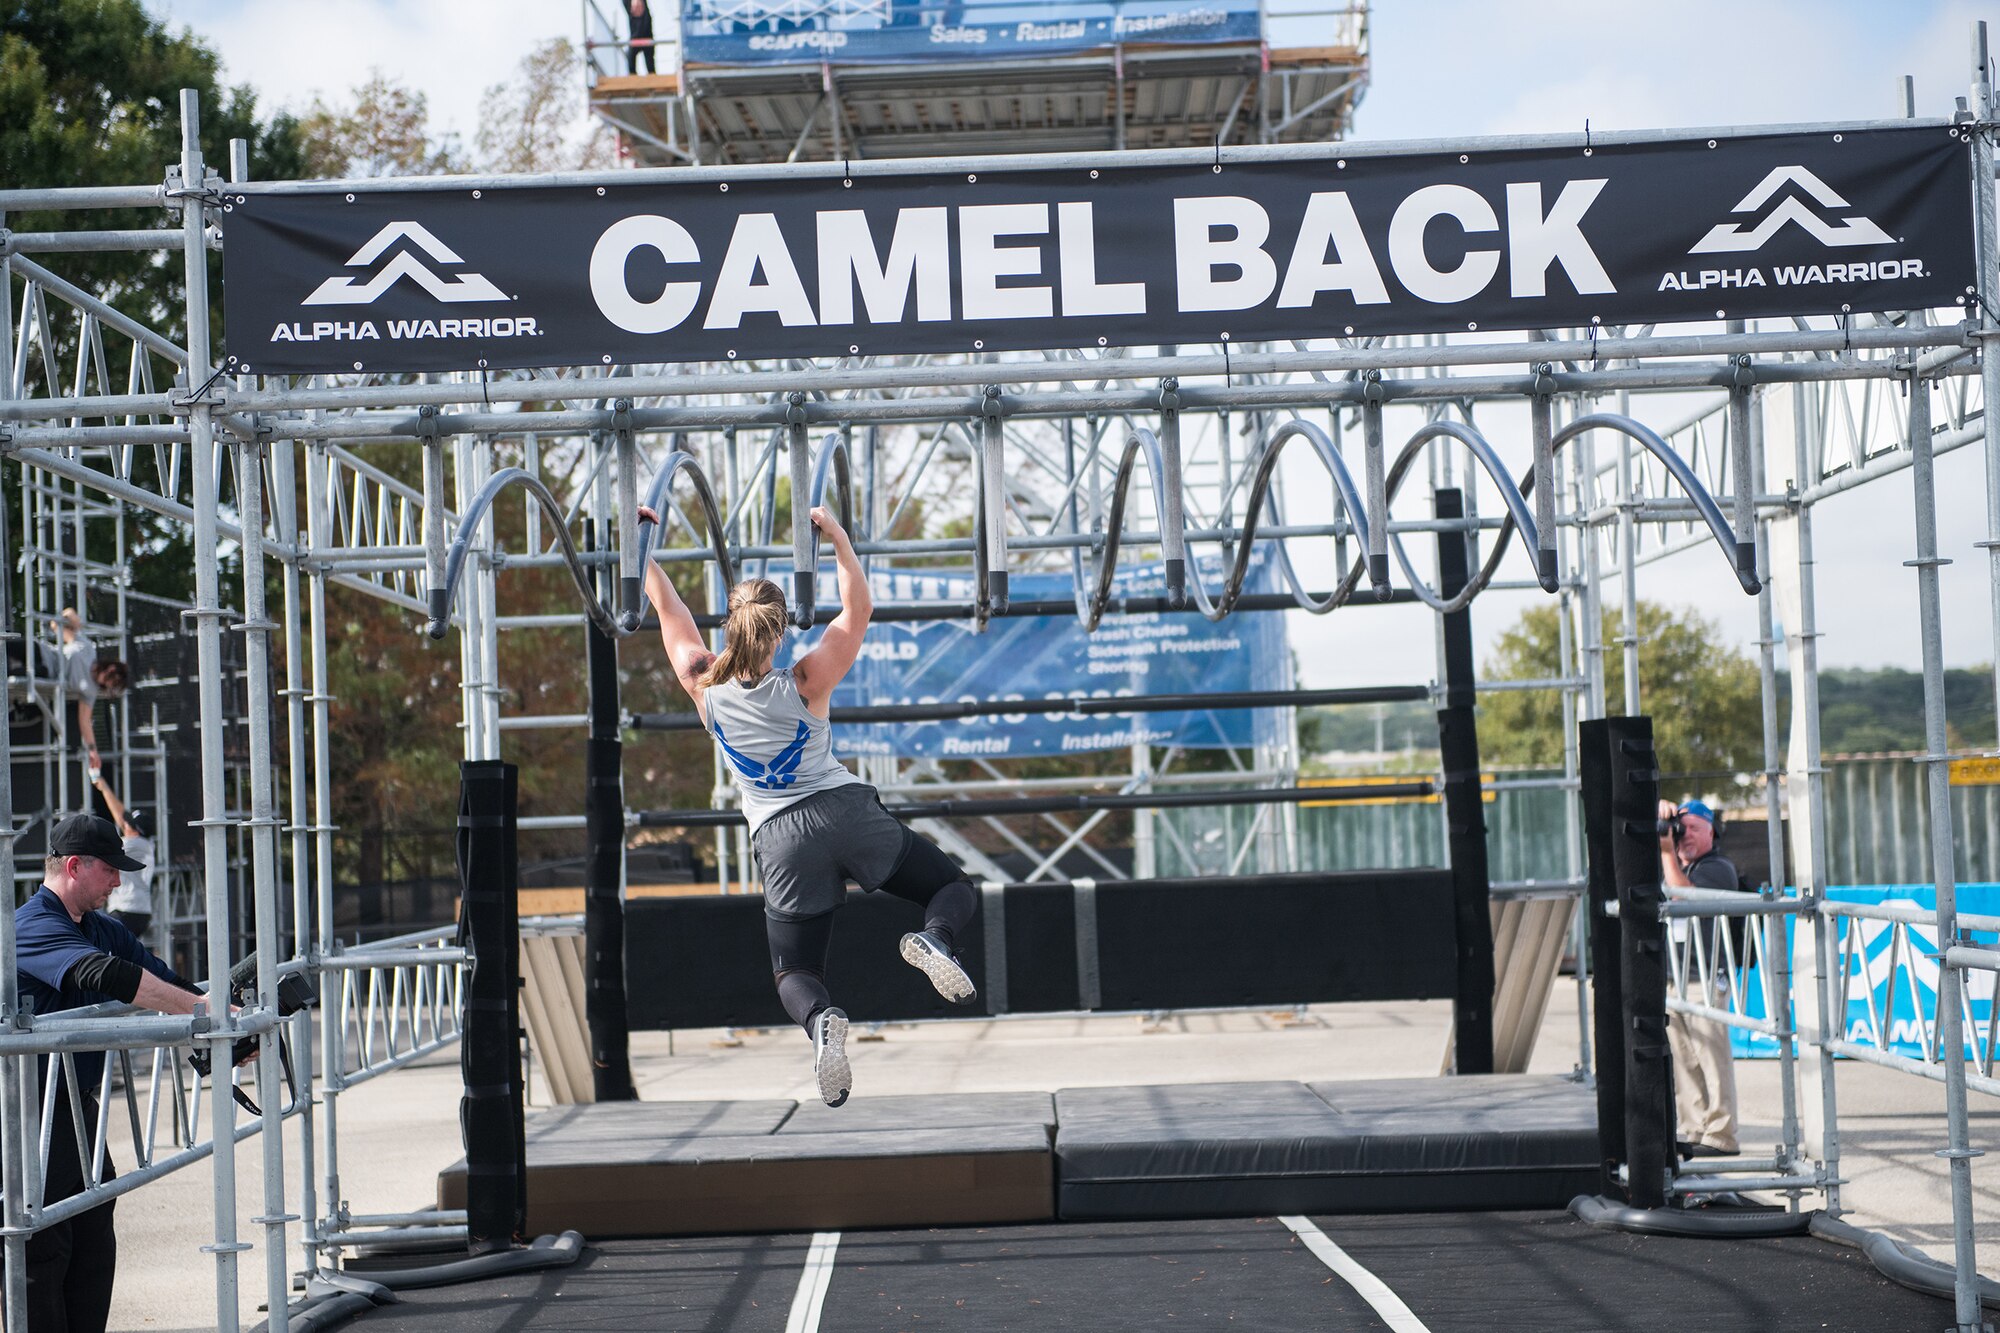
{"points": [[1704, 1065], [70, 954]]}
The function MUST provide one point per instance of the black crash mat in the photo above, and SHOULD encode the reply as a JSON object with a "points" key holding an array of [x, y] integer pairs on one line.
{"points": [[1492, 1122], [1548, 1273], [943, 1110], [694, 1168], [1241, 1149]]}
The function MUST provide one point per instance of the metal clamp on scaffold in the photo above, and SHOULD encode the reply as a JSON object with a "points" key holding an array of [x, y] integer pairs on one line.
{"points": [[1373, 395], [993, 468], [629, 572]]}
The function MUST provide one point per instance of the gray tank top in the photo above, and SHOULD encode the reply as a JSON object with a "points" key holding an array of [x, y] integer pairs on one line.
{"points": [[778, 751]]}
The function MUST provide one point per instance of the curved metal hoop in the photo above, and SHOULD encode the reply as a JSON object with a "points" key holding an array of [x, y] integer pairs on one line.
{"points": [[831, 461], [677, 462], [1513, 494], [468, 526], [982, 562], [1261, 498], [1742, 561], [1090, 607]]}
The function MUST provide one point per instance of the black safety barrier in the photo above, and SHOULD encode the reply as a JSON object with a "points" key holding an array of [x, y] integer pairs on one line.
{"points": [[1635, 862], [1081, 706], [1039, 805], [1606, 947], [491, 1113], [604, 874], [701, 962], [1464, 810]]}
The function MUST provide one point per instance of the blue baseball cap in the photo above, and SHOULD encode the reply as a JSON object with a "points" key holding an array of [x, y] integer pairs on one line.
{"points": [[1700, 808]]}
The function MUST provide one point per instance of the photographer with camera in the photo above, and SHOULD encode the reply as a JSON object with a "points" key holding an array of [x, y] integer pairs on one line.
{"points": [[70, 954], [1704, 1068]]}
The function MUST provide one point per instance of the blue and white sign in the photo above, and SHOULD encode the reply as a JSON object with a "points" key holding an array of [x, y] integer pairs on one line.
{"points": [[1895, 993], [1050, 657], [861, 32]]}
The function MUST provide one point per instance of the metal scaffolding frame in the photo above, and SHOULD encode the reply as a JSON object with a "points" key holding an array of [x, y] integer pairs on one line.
{"points": [[1045, 446]]}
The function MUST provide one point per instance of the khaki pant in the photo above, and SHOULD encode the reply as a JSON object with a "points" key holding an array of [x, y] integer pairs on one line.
{"points": [[1704, 1082]]}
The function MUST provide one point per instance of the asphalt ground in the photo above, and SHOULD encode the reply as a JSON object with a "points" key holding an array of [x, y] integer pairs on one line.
{"points": [[1408, 1273]]}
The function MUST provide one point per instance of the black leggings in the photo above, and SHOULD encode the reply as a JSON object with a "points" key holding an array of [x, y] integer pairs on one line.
{"points": [[925, 876]]}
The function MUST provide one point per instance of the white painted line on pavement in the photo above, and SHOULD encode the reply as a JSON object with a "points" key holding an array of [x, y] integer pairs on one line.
{"points": [[1395, 1314], [811, 1295]]}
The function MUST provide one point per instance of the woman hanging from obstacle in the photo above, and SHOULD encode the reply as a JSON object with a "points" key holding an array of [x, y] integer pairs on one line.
{"points": [[813, 824]]}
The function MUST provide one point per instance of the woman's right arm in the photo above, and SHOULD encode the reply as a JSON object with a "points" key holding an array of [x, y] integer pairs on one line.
{"points": [[686, 651], [826, 665]]}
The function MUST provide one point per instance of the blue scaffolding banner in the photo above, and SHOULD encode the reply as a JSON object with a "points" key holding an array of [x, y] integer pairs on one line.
{"points": [[1051, 657], [862, 32], [1894, 996]]}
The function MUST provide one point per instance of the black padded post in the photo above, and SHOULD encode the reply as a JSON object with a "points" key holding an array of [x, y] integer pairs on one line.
{"points": [[491, 1114], [1465, 815], [1635, 860], [604, 876], [1607, 995]]}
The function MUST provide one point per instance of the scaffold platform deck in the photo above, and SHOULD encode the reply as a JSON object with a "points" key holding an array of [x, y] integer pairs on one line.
{"points": [[1132, 97]]}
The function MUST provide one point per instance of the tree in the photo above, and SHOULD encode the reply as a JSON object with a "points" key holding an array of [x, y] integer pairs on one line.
{"points": [[383, 131], [90, 95], [1703, 696], [537, 121], [533, 121]]}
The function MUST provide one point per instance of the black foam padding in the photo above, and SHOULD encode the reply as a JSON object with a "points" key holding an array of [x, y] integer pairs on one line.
{"points": [[1490, 1122], [1275, 940], [700, 962], [1243, 1149], [1041, 950]]}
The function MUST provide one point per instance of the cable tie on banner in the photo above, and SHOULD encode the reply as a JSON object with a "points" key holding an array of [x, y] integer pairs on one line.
{"points": [[1983, 304], [199, 395], [1846, 333], [1586, 136], [1593, 327], [1226, 371], [485, 389]]}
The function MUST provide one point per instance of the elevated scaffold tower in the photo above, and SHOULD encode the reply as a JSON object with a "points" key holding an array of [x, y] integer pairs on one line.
{"points": [[800, 80]]}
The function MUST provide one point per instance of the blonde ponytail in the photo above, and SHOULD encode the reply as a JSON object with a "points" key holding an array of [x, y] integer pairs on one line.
{"points": [[755, 626]]}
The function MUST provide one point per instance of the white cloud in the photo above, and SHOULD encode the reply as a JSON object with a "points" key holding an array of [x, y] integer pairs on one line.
{"points": [[450, 50]]}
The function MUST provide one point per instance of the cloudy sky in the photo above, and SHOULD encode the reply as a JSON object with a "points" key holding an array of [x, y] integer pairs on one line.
{"points": [[1506, 68]]}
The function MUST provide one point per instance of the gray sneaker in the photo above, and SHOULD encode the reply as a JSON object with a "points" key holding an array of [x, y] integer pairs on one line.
{"points": [[925, 952], [830, 1056]]}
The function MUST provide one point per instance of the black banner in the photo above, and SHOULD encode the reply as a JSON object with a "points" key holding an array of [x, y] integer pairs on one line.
{"points": [[768, 266]]}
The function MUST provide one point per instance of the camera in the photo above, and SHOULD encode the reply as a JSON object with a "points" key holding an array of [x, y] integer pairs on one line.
{"points": [[1666, 828], [295, 992]]}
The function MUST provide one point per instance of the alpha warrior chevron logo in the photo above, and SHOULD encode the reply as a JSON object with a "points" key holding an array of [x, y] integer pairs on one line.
{"points": [[1726, 237], [349, 291]]}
